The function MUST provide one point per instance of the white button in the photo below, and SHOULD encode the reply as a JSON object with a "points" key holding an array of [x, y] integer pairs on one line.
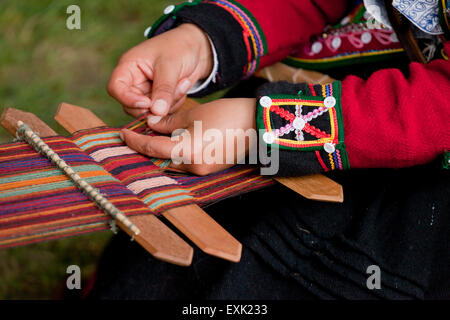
{"points": [[393, 37], [147, 31], [366, 37], [329, 102], [169, 9], [345, 20], [329, 147], [298, 123], [316, 47], [265, 101], [336, 43], [268, 137]]}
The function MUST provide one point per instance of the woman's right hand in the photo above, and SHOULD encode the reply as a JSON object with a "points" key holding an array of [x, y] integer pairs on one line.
{"points": [[157, 74]]}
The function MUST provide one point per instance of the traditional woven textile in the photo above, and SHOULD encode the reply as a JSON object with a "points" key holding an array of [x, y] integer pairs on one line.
{"points": [[38, 202], [158, 188]]}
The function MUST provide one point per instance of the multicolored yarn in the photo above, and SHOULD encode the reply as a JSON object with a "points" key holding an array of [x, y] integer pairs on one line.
{"points": [[39, 202], [24, 132], [252, 33], [156, 185], [105, 146]]}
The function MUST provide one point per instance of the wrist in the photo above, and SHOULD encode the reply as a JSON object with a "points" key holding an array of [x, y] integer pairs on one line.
{"points": [[201, 45]]}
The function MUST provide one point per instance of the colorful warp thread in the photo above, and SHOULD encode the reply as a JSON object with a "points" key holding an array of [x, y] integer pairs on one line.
{"points": [[159, 187], [38, 201], [214, 187], [24, 132], [134, 170]]}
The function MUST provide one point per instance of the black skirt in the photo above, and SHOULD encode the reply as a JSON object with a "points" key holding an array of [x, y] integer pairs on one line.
{"points": [[293, 248]]}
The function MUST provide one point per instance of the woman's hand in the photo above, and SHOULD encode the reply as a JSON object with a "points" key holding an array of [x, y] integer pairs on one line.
{"points": [[217, 136], [158, 73]]}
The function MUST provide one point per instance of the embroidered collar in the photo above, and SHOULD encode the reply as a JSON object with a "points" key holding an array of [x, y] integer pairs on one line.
{"points": [[424, 14]]}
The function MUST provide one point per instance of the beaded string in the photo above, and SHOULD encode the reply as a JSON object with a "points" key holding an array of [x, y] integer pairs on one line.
{"points": [[24, 132]]}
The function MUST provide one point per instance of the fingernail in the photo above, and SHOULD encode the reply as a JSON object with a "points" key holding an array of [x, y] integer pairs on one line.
{"points": [[160, 107], [121, 135], [154, 119], [142, 104], [184, 86]]}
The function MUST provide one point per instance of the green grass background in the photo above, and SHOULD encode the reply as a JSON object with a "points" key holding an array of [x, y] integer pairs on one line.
{"points": [[42, 64]]}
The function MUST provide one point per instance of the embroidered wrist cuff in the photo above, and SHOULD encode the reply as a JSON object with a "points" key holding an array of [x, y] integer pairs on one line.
{"points": [[234, 32], [308, 120]]}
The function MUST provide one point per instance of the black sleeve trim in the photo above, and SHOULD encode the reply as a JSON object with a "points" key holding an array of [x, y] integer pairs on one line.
{"points": [[225, 33]]}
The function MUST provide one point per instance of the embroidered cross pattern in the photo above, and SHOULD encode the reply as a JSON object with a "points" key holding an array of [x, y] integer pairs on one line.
{"points": [[306, 123]]}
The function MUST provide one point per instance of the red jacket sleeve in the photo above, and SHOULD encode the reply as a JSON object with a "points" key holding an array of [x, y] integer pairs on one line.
{"points": [[288, 23], [394, 121], [387, 121]]}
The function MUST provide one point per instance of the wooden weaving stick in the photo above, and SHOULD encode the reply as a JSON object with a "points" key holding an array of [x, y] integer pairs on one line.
{"points": [[159, 240], [10, 116], [191, 220]]}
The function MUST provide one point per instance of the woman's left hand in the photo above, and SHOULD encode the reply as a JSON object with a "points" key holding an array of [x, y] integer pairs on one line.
{"points": [[216, 136]]}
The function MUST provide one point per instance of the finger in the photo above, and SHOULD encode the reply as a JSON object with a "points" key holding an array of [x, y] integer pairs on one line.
{"points": [[163, 89], [144, 88], [152, 146], [135, 112], [182, 88], [198, 169], [146, 68], [169, 123], [178, 104], [120, 87], [185, 84]]}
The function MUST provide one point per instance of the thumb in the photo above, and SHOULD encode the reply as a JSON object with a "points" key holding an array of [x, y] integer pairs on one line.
{"points": [[152, 146], [169, 123], [163, 89]]}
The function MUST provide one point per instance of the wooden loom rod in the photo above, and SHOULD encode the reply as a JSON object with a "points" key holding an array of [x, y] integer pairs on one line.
{"points": [[155, 236], [191, 220]]}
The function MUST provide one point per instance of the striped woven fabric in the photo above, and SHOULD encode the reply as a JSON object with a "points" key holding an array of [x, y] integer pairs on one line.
{"points": [[159, 188], [39, 202], [134, 170]]}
